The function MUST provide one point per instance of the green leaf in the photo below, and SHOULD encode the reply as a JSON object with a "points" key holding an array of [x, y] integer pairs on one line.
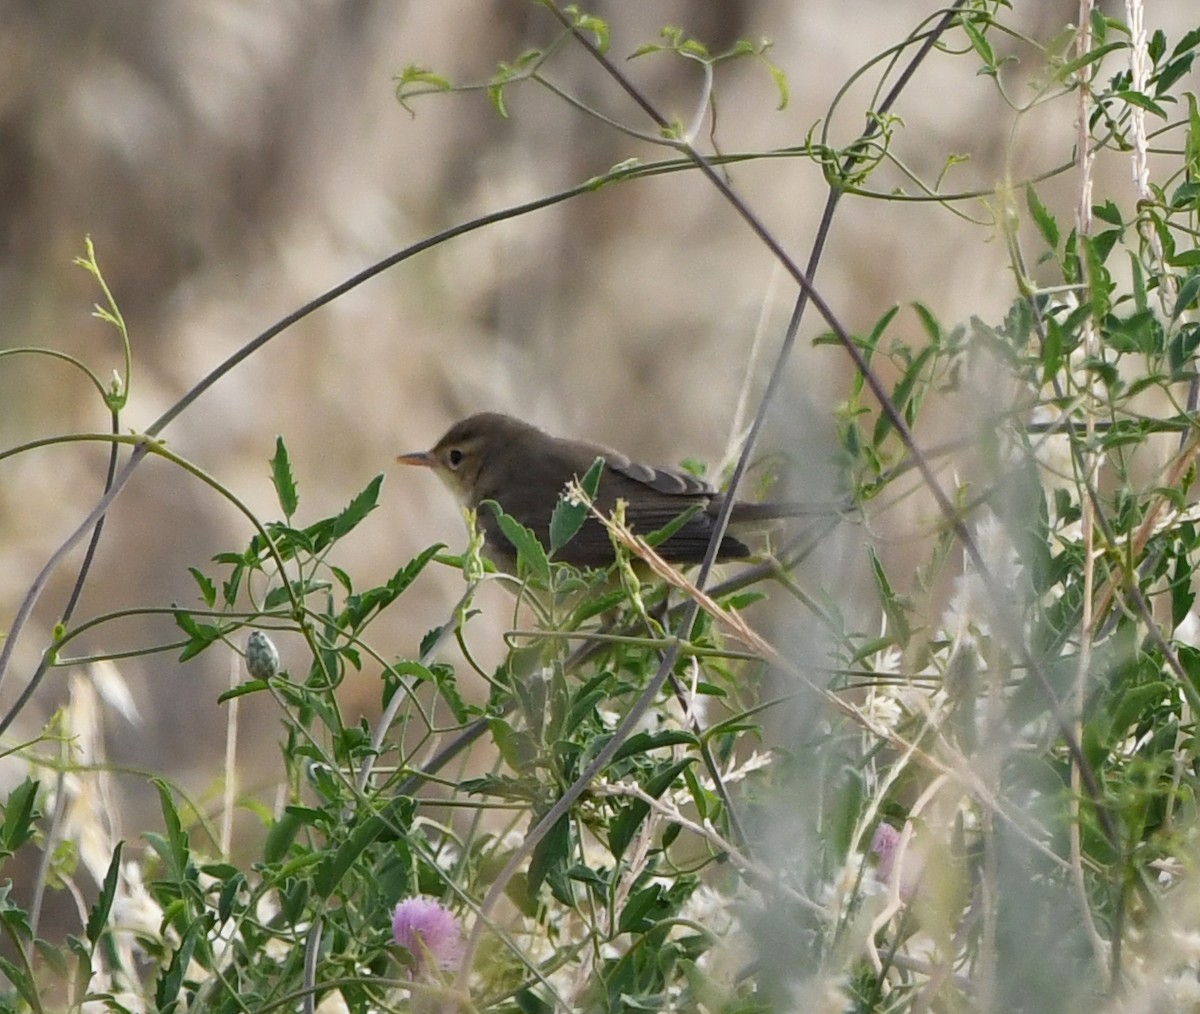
{"points": [[624, 826], [343, 578], [356, 509], [643, 742], [441, 676], [646, 48], [1070, 260], [1051, 351], [1042, 218], [871, 342], [901, 394], [1189, 41], [871, 646], [359, 608], [1018, 323], [299, 589], [598, 27], [1138, 282], [234, 883], [170, 980], [595, 691], [412, 77], [1092, 56], [1142, 101], [893, 608], [282, 479], [243, 689], [208, 590], [928, 321], [1189, 658], [174, 849], [1171, 73], [1140, 332], [20, 811], [1192, 144], [1102, 243], [412, 74], [980, 45], [1182, 595], [594, 604], [701, 797], [1187, 295], [23, 984], [1100, 286], [743, 600], [550, 857], [1157, 45], [1108, 212], [231, 586], [530, 553], [98, 916], [1183, 347], [527, 59], [660, 535], [383, 825], [781, 84], [200, 635], [569, 517], [638, 914], [282, 833], [495, 94]]}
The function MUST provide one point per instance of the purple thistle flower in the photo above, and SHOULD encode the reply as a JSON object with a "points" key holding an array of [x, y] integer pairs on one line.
{"points": [[896, 870], [428, 931], [884, 844]]}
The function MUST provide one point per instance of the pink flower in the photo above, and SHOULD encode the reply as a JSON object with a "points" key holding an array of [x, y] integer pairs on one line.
{"points": [[884, 844], [428, 931], [898, 868]]}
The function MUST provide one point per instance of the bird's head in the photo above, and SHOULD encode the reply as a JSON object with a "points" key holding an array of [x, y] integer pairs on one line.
{"points": [[462, 456]]}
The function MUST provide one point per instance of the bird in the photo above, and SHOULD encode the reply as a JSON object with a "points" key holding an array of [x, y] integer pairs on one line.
{"points": [[525, 470]]}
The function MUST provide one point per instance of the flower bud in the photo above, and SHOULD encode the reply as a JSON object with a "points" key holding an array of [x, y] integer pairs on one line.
{"points": [[262, 657]]}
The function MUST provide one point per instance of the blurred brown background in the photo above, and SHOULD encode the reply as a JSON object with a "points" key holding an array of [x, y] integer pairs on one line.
{"points": [[233, 159]]}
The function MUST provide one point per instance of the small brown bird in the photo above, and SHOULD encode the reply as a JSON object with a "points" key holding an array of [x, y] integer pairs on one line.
{"points": [[491, 456]]}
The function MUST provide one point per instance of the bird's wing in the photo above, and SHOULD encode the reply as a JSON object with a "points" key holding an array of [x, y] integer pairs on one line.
{"points": [[662, 480], [654, 497]]}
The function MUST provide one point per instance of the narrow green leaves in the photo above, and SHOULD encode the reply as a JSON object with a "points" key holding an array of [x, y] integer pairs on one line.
{"points": [[200, 635], [282, 479], [98, 916], [414, 80], [530, 553], [208, 590], [568, 516], [982, 47], [1042, 218], [20, 811]]}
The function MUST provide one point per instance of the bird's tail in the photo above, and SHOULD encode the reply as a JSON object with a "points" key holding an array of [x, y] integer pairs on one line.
{"points": [[745, 512]]}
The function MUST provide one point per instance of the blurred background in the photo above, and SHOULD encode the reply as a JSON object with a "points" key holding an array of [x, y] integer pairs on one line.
{"points": [[233, 159]]}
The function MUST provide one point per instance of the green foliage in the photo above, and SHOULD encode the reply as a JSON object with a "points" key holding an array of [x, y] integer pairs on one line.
{"points": [[679, 814]]}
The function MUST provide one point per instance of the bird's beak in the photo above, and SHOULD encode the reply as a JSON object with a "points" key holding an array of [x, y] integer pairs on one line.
{"points": [[423, 458]]}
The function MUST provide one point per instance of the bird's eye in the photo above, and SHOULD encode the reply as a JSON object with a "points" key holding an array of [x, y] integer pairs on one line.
{"points": [[455, 458]]}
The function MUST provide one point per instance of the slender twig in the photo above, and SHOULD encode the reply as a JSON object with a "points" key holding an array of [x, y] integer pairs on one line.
{"points": [[229, 793], [1090, 461]]}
